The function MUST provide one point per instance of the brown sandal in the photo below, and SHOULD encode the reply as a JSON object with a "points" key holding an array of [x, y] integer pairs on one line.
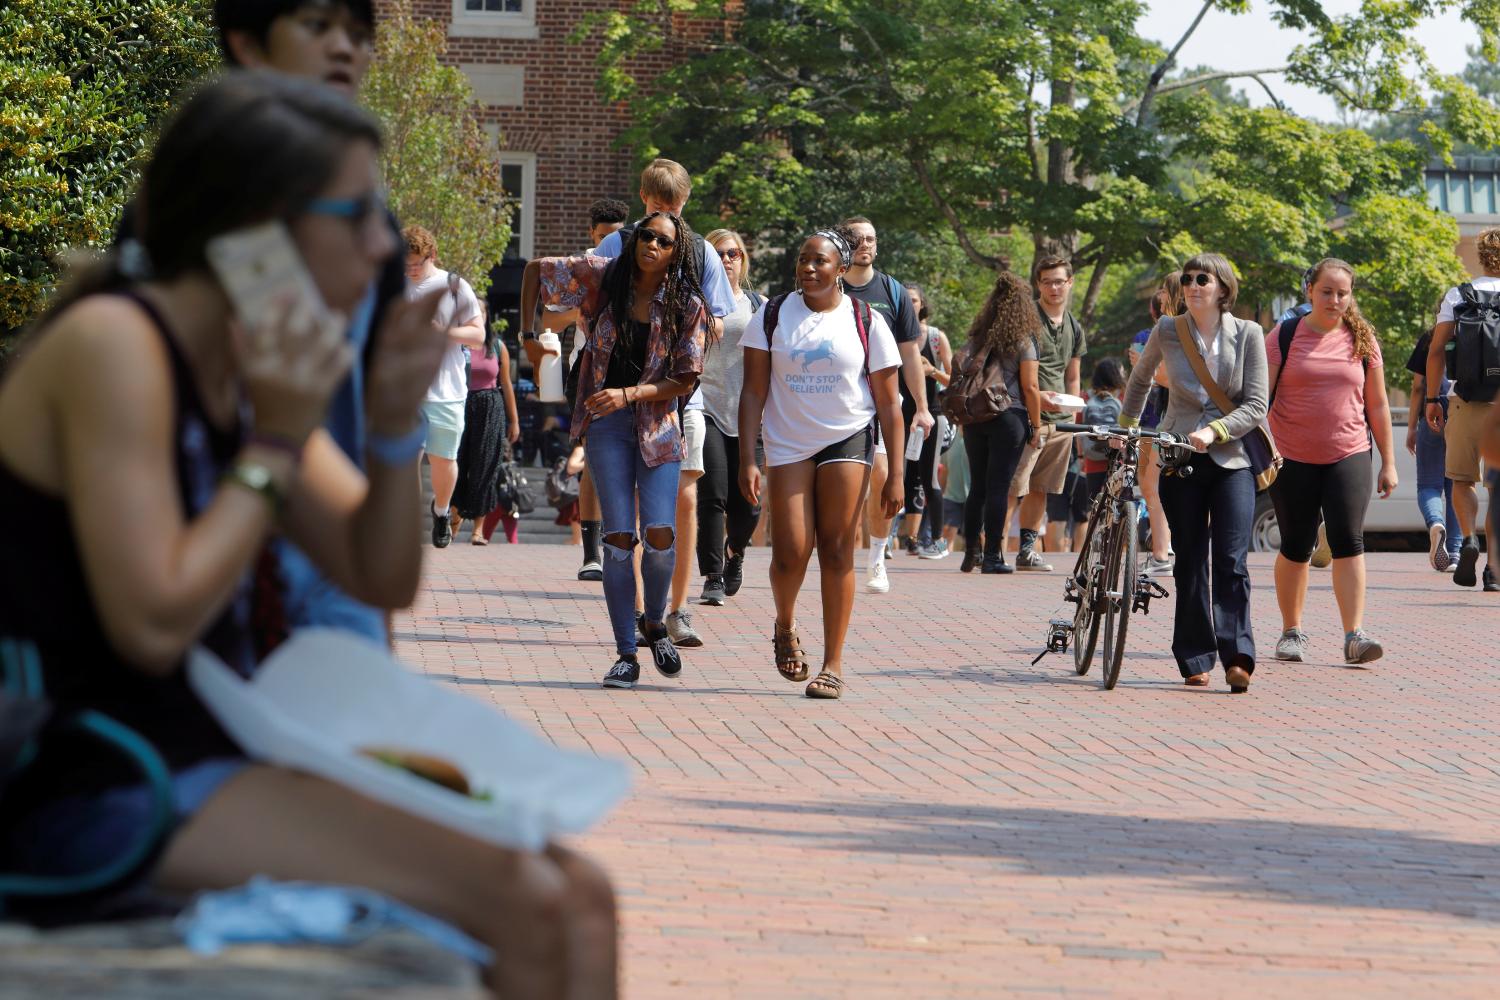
{"points": [[826, 685], [1196, 681], [791, 662]]}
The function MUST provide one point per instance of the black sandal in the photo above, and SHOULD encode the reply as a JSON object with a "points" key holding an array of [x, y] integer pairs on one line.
{"points": [[791, 662], [826, 685]]}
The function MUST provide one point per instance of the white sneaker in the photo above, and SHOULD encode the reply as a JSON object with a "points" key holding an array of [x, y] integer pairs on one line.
{"points": [[1437, 549], [1157, 567], [878, 583]]}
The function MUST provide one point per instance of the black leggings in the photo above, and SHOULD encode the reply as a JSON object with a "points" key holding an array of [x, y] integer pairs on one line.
{"points": [[720, 502], [1339, 492], [994, 449]]}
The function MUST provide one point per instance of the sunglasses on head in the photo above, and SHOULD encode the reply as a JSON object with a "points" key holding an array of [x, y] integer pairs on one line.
{"points": [[1199, 278], [649, 236], [733, 253]]}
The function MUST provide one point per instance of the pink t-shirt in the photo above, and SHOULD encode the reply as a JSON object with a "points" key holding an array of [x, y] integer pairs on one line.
{"points": [[484, 373], [1318, 415]]}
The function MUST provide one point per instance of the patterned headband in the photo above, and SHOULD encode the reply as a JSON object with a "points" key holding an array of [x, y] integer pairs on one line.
{"points": [[846, 252]]}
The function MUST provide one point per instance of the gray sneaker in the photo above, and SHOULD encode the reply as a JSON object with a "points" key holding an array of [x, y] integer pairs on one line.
{"points": [[680, 630], [1030, 561], [1292, 645], [1157, 567], [1360, 648]]}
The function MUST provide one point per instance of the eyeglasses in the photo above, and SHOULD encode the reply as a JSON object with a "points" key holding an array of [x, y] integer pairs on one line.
{"points": [[649, 236], [733, 253], [1198, 278], [357, 210], [1056, 282], [860, 241]]}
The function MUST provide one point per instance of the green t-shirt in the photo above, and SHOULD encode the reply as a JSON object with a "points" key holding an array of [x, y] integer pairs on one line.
{"points": [[957, 460], [1058, 344]]}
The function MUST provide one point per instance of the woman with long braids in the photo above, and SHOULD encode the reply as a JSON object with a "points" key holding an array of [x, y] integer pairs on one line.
{"points": [[137, 401], [1327, 399], [820, 368], [648, 327], [1003, 336]]}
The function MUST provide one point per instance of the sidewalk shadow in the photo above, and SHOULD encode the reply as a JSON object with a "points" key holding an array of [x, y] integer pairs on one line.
{"points": [[1311, 864], [522, 594]]}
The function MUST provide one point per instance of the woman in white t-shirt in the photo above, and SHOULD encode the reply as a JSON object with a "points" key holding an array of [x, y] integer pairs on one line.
{"points": [[813, 391]]}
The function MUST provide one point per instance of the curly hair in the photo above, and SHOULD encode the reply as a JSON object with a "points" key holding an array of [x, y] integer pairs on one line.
{"points": [[1359, 328], [1008, 318], [1488, 248], [683, 286]]}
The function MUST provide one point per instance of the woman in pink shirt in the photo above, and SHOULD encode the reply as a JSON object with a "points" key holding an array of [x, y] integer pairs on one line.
{"points": [[1327, 401]]}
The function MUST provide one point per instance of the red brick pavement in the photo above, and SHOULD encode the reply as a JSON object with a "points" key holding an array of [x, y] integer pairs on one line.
{"points": [[964, 824]]}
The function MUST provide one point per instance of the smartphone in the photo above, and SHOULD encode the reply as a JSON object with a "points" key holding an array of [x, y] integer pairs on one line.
{"points": [[262, 272]]}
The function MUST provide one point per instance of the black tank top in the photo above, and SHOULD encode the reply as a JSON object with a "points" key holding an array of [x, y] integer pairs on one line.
{"points": [[45, 599]]}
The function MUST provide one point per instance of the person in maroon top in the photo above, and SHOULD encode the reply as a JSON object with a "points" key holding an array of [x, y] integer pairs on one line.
{"points": [[491, 429], [149, 447]]}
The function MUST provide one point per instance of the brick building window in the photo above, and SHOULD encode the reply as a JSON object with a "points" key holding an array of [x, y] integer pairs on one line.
{"points": [[493, 19], [518, 174]]}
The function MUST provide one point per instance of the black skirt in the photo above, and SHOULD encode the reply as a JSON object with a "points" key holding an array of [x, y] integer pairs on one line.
{"points": [[481, 454]]}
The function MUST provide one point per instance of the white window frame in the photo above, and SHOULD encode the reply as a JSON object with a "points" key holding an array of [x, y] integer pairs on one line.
{"points": [[493, 24], [527, 163]]}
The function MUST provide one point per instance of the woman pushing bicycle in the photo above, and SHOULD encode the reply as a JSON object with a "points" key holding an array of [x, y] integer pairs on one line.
{"points": [[1210, 510]]}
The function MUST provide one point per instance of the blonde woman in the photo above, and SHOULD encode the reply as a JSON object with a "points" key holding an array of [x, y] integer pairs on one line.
{"points": [[726, 520], [1327, 400]]}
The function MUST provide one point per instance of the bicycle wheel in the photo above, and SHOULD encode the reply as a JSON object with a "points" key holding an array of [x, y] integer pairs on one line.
{"points": [[1086, 618], [1120, 576]]}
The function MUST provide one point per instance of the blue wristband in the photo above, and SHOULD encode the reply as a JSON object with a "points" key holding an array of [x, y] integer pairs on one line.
{"points": [[398, 450]]}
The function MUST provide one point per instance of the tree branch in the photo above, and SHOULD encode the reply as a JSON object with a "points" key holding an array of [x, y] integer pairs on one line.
{"points": [[919, 165], [1159, 72], [1202, 78], [1096, 287], [1031, 138]]}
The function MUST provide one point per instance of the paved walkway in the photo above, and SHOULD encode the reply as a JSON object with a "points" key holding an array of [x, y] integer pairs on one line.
{"points": [[965, 824]]}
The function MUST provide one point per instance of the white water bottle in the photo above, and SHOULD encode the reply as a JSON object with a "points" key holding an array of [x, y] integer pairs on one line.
{"points": [[549, 373], [914, 444]]}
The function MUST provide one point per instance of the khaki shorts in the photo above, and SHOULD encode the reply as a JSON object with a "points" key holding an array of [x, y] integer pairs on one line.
{"points": [[1462, 437], [1044, 466], [692, 441]]}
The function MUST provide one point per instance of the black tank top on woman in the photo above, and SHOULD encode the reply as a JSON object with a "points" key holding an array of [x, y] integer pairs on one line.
{"points": [[45, 599]]}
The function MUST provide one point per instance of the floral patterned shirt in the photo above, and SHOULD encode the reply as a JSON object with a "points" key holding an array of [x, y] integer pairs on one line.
{"points": [[578, 282]]}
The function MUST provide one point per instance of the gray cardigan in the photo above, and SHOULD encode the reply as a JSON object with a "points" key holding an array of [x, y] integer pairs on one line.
{"points": [[1241, 374]]}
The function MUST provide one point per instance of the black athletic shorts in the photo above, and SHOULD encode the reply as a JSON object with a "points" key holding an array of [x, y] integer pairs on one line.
{"points": [[857, 447]]}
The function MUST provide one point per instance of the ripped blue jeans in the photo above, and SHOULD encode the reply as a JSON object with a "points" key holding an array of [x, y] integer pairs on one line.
{"points": [[626, 485]]}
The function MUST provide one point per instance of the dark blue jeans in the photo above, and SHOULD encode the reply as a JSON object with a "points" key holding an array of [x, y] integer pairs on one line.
{"points": [[1211, 513]]}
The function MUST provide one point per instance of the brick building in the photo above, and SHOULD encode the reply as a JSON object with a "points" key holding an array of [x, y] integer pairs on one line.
{"points": [[555, 135]]}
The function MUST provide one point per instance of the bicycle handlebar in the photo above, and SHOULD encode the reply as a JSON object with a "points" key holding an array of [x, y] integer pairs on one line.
{"points": [[1160, 438]]}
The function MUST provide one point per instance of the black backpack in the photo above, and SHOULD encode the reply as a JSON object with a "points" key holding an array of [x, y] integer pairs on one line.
{"points": [[1474, 355]]}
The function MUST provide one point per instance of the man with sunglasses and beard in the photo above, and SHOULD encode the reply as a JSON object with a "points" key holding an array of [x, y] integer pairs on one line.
{"points": [[887, 296]]}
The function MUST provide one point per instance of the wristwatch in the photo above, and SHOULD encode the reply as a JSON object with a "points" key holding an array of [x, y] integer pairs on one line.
{"points": [[528, 334], [258, 479], [1431, 400]]}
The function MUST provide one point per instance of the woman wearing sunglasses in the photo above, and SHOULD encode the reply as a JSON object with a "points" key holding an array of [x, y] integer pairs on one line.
{"points": [[726, 520], [648, 327], [1210, 509]]}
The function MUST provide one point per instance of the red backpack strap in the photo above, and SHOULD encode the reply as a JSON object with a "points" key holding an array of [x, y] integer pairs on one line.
{"points": [[862, 324]]}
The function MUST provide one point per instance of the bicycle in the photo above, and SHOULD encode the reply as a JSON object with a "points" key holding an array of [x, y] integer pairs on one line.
{"points": [[1106, 583]]}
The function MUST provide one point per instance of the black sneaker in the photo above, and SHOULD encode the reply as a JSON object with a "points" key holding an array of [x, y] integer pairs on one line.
{"points": [[1491, 586], [909, 545], [1467, 557], [734, 572], [623, 674], [664, 655], [640, 629], [995, 564], [714, 592], [442, 530], [971, 559]]}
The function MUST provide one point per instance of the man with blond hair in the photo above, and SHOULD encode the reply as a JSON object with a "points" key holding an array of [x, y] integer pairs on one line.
{"points": [[1469, 405]]}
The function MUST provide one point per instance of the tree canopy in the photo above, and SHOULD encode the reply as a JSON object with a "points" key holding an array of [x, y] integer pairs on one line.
{"points": [[962, 124], [81, 88], [441, 166]]}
